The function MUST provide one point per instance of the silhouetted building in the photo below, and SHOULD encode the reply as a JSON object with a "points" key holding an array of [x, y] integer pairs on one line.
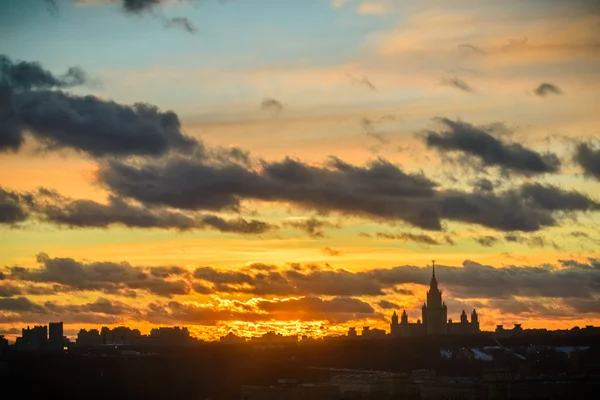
{"points": [[368, 333], [434, 322], [55, 330], [231, 338], [3, 344], [352, 332], [120, 335], [35, 338], [517, 330], [89, 338], [170, 336], [272, 338]]}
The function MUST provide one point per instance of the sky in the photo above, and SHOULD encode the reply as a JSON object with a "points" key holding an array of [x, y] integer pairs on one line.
{"points": [[295, 166]]}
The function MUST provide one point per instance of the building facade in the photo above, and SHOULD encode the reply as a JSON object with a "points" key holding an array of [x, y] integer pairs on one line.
{"points": [[434, 313]]}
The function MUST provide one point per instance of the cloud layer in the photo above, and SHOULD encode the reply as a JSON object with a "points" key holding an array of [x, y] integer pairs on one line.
{"points": [[88, 124]]}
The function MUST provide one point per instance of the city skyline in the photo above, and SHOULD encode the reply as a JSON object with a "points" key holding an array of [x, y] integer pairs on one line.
{"points": [[247, 167]]}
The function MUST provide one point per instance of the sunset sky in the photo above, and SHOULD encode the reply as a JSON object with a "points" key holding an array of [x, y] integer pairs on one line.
{"points": [[256, 165]]}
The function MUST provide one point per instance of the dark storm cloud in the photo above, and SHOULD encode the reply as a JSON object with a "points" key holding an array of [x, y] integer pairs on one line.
{"points": [[546, 89], [459, 136], [588, 158], [378, 190], [100, 276], [83, 123], [313, 227], [13, 207], [458, 83]]}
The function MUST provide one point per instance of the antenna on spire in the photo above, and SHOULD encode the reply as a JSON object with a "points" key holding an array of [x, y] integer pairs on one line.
{"points": [[433, 265]]}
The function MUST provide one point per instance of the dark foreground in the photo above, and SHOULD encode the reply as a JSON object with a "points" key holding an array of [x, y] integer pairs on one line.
{"points": [[213, 371]]}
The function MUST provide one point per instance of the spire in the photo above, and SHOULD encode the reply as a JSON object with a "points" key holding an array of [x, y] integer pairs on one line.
{"points": [[433, 284]]}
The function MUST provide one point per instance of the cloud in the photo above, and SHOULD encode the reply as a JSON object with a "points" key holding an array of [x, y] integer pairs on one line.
{"points": [[296, 280], [309, 292], [378, 190], [369, 128], [458, 84], [553, 198], [487, 241], [108, 277], [484, 185], [9, 331], [51, 7], [25, 75], [19, 304], [546, 89], [470, 48], [459, 136], [313, 227], [139, 6], [588, 158], [338, 309], [84, 123], [180, 22], [52, 207], [271, 105], [388, 305], [331, 252], [408, 237], [531, 241], [363, 81], [12, 207]]}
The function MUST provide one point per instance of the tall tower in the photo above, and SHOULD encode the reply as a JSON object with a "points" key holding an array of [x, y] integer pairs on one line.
{"points": [[435, 312], [475, 321], [394, 325]]}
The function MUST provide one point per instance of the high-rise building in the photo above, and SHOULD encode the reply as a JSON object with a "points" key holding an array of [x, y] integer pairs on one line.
{"points": [[434, 317], [34, 338], [55, 330]]}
